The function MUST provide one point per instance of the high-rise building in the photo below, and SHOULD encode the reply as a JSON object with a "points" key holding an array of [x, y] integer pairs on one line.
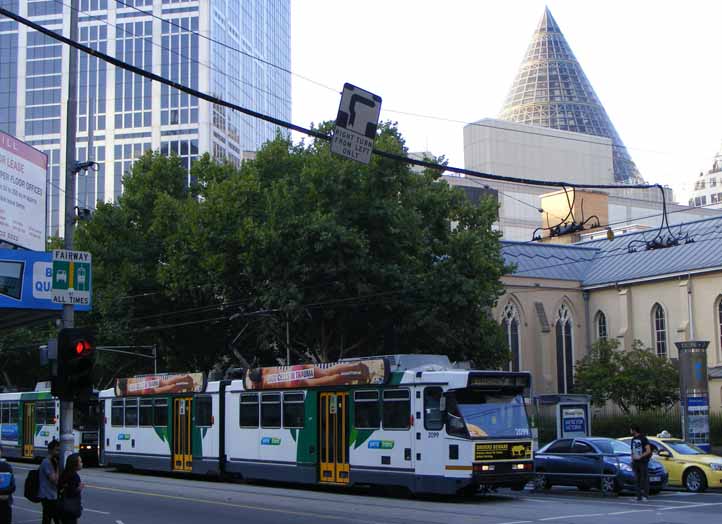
{"points": [[245, 59], [707, 189], [551, 90]]}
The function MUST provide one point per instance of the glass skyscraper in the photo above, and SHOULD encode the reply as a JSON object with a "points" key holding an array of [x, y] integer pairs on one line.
{"points": [[551, 90], [246, 60]]}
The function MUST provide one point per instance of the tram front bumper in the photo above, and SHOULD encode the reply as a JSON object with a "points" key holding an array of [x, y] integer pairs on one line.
{"points": [[503, 474]]}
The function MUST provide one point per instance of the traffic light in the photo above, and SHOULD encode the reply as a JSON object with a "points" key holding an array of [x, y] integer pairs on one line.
{"points": [[76, 356]]}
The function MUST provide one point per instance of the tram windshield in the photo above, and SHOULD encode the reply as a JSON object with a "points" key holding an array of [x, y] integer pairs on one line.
{"points": [[86, 415], [480, 414]]}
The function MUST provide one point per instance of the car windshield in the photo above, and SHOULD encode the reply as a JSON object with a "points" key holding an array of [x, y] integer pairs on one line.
{"points": [[683, 448], [611, 446], [489, 415]]}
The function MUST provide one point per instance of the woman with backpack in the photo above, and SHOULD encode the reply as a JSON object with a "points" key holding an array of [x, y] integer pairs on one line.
{"points": [[48, 483], [7, 488], [69, 491]]}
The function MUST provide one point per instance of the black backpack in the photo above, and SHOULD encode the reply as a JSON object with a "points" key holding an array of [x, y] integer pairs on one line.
{"points": [[7, 481], [32, 485]]}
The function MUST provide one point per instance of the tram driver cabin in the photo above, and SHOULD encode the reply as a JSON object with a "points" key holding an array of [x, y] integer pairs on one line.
{"points": [[406, 420]]}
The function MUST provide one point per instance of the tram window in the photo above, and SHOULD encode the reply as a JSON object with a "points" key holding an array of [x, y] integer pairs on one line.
{"points": [[397, 409], [293, 410], [40, 413], [367, 410], [271, 410], [160, 412], [131, 412], [248, 411], [116, 413], [433, 418], [146, 412], [204, 411], [50, 412], [4, 413], [14, 417]]}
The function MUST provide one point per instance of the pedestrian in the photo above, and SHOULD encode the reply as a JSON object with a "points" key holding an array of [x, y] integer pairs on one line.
{"points": [[641, 453], [48, 483], [70, 488], [7, 488]]}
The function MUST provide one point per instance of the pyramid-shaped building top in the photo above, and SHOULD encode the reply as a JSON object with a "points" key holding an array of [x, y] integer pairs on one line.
{"points": [[551, 90]]}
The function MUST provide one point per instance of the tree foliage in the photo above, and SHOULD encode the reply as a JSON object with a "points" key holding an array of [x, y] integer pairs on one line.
{"points": [[343, 259], [632, 378]]}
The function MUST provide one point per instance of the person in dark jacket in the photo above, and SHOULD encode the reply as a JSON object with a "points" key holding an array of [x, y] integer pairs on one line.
{"points": [[6, 494], [70, 488], [48, 483]]}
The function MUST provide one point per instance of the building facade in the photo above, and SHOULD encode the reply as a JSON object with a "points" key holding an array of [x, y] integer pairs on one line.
{"points": [[245, 59], [560, 299], [707, 189]]}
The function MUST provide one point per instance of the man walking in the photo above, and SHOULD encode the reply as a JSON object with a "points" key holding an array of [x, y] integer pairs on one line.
{"points": [[641, 453], [48, 483], [7, 488]]}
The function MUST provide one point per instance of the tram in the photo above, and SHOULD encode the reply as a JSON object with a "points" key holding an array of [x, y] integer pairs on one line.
{"points": [[404, 420], [29, 421]]}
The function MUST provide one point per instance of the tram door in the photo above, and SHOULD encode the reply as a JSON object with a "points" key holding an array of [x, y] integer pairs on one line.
{"points": [[333, 437], [182, 442], [28, 429]]}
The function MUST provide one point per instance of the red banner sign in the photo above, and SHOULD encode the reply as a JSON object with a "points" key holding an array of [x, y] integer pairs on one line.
{"points": [[318, 375]]}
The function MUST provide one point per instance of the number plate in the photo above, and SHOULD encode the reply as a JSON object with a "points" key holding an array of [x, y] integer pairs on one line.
{"points": [[655, 479]]}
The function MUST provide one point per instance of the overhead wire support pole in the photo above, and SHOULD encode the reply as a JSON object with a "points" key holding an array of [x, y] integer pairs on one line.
{"points": [[66, 406]]}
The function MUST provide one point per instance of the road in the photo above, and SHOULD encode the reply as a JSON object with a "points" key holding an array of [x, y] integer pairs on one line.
{"points": [[118, 498]]}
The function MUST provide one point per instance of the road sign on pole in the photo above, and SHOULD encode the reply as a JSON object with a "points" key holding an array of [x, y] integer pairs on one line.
{"points": [[356, 123], [71, 277]]}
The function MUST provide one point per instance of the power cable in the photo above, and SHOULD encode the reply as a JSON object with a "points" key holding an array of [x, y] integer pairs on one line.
{"points": [[177, 53], [310, 132]]}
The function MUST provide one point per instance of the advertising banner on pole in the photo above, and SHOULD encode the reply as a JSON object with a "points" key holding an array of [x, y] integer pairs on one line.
{"points": [[23, 199], [694, 392]]}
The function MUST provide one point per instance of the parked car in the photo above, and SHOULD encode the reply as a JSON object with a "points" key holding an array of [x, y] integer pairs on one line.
{"points": [[592, 462], [687, 465]]}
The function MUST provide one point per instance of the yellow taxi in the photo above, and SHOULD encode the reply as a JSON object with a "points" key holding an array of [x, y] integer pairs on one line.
{"points": [[686, 464]]}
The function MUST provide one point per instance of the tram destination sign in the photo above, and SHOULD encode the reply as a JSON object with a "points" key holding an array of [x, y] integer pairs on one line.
{"points": [[361, 372]]}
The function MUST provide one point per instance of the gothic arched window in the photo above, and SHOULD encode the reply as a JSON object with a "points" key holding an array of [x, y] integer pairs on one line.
{"points": [[511, 328], [565, 350]]}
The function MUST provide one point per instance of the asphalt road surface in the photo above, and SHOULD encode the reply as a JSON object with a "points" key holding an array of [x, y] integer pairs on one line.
{"points": [[118, 498]]}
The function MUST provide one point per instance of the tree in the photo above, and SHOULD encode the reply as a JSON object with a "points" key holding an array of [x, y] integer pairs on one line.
{"points": [[351, 259], [634, 378]]}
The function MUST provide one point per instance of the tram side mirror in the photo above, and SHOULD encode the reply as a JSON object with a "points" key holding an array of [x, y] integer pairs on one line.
{"points": [[442, 404]]}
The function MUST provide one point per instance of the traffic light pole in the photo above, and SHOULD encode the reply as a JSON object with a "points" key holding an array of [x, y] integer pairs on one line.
{"points": [[66, 406]]}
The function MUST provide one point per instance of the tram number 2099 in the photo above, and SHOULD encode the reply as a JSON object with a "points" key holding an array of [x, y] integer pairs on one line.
{"points": [[433, 434]]}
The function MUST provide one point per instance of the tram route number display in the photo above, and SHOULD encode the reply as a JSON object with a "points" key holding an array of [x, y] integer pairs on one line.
{"points": [[502, 451]]}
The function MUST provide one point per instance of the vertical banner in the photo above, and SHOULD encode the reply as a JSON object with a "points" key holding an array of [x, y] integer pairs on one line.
{"points": [[693, 382]]}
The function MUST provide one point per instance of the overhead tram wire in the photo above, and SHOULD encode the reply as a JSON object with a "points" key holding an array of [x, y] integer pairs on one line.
{"points": [[230, 47]]}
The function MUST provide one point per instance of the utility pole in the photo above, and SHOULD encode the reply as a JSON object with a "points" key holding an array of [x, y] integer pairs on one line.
{"points": [[66, 406]]}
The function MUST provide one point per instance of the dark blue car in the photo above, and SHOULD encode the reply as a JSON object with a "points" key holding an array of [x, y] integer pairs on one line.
{"points": [[592, 462]]}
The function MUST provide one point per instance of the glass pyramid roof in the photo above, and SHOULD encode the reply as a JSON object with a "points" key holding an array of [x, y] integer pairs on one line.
{"points": [[551, 90]]}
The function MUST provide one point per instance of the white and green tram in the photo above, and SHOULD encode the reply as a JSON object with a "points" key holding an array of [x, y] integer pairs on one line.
{"points": [[405, 420], [29, 421]]}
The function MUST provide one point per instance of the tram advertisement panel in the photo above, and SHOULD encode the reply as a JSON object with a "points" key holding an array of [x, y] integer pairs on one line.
{"points": [[362, 372], [160, 384], [502, 451]]}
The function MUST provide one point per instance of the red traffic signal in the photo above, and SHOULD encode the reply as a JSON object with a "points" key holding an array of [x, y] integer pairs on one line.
{"points": [[83, 347]]}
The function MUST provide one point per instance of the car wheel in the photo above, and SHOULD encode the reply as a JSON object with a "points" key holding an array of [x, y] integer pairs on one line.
{"points": [[608, 485], [695, 481], [541, 481]]}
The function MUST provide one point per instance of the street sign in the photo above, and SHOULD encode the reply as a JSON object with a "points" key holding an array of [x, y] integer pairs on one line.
{"points": [[71, 277], [356, 123]]}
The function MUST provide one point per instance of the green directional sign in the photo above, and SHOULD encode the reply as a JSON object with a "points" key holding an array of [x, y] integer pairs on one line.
{"points": [[71, 277]]}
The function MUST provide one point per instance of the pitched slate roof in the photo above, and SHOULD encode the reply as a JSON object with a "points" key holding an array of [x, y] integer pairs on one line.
{"points": [[553, 261], [602, 262]]}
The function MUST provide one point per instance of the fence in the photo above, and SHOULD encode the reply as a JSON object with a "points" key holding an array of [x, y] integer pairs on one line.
{"points": [[610, 421]]}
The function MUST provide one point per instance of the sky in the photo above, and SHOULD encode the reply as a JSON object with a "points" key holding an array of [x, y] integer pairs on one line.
{"points": [[655, 66]]}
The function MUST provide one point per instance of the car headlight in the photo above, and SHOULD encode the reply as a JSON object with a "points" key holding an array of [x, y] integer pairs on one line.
{"points": [[625, 467], [716, 466]]}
